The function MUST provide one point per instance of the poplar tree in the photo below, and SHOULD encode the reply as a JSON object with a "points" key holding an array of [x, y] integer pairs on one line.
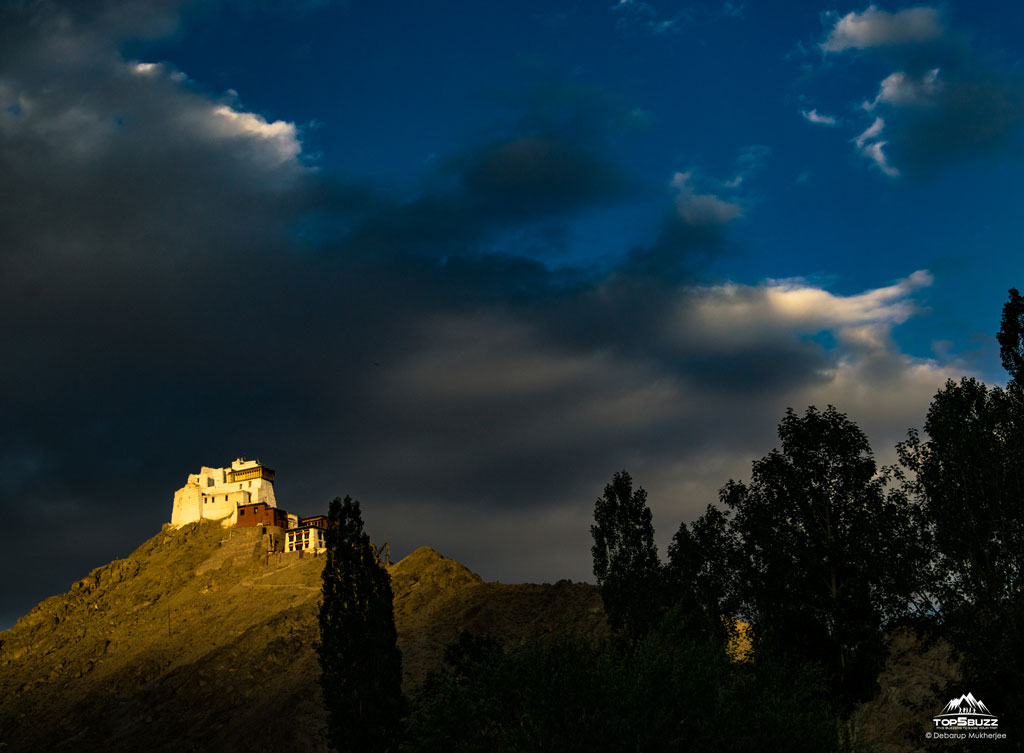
{"points": [[360, 663], [626, 562], [1011, 336]]}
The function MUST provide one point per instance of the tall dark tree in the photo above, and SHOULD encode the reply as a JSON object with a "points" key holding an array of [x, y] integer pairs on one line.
{"points": [[829, 557], [1011, 336], [626, 562], [360, 664], [969, 475]]}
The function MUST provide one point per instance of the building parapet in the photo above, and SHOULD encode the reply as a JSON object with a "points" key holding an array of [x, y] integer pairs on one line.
{"points": [[260, 471]]}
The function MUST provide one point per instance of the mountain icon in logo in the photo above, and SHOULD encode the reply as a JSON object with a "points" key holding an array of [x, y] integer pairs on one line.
{"points": [[966, 704], [966, 712]]}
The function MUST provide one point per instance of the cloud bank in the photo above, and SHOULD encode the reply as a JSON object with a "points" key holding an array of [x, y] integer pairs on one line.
{"points": [[183, 286]]}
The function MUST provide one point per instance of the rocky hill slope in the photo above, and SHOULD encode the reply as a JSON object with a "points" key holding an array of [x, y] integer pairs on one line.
{"points": [[200, 640]]}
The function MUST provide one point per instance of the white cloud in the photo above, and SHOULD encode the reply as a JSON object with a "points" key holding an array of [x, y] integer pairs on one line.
{"points": [[701, 209], [280, 137], [136, 105], [877, 28], [902, 90], [872, 130], [861, 320], [813, 116], [794, 300], [875, 152], [156, 69]]}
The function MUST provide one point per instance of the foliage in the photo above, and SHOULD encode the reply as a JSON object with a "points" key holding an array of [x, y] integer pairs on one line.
{"points": [[361, 666], [1011, 336], [969, 475], [626, 562], [665, 692], [828, 558], [970, 478], [701, 559]]}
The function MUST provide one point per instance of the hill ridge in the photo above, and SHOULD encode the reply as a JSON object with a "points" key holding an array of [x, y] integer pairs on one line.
{"points": [[201, 624]]}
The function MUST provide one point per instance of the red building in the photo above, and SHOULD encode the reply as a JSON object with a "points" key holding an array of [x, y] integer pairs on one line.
{"points": [[259, 513]]}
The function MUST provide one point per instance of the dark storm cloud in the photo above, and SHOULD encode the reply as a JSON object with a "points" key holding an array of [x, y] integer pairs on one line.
{"points": [[506, 184], [548, 165], [679, 251], [538, 174], [178, 287]]}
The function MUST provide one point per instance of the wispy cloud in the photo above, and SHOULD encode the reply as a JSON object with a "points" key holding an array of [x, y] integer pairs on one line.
{"points": [[813, 116], [870, 132], [903, 90], [945, 102], [733, 8], [637, 15], [701, 209], [875, 152]]}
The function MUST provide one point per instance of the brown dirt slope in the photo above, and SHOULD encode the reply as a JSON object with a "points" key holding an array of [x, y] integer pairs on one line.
{"points": [[200, 640]]}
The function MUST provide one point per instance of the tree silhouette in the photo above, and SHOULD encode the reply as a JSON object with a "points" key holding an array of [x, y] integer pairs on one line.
{"points": [[701, 559], [828, 558], [1011, 335], [969, 475], [626, 562], [360, 664]]}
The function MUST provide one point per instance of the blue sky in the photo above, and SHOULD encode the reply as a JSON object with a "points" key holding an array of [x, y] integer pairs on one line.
{"points": [[465, 261], [391, 95]]}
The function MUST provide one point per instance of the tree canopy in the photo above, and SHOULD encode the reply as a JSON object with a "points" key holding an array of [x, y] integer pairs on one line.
{"points": [[699, 573], [827, 557], [968, 475]]}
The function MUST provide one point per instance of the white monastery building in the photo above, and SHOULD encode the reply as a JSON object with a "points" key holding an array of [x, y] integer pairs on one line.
{"points": [[243, 496], [217, 493]]}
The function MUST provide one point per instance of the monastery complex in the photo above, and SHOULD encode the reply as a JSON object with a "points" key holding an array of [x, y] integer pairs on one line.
{"points": [[243, 496]]}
